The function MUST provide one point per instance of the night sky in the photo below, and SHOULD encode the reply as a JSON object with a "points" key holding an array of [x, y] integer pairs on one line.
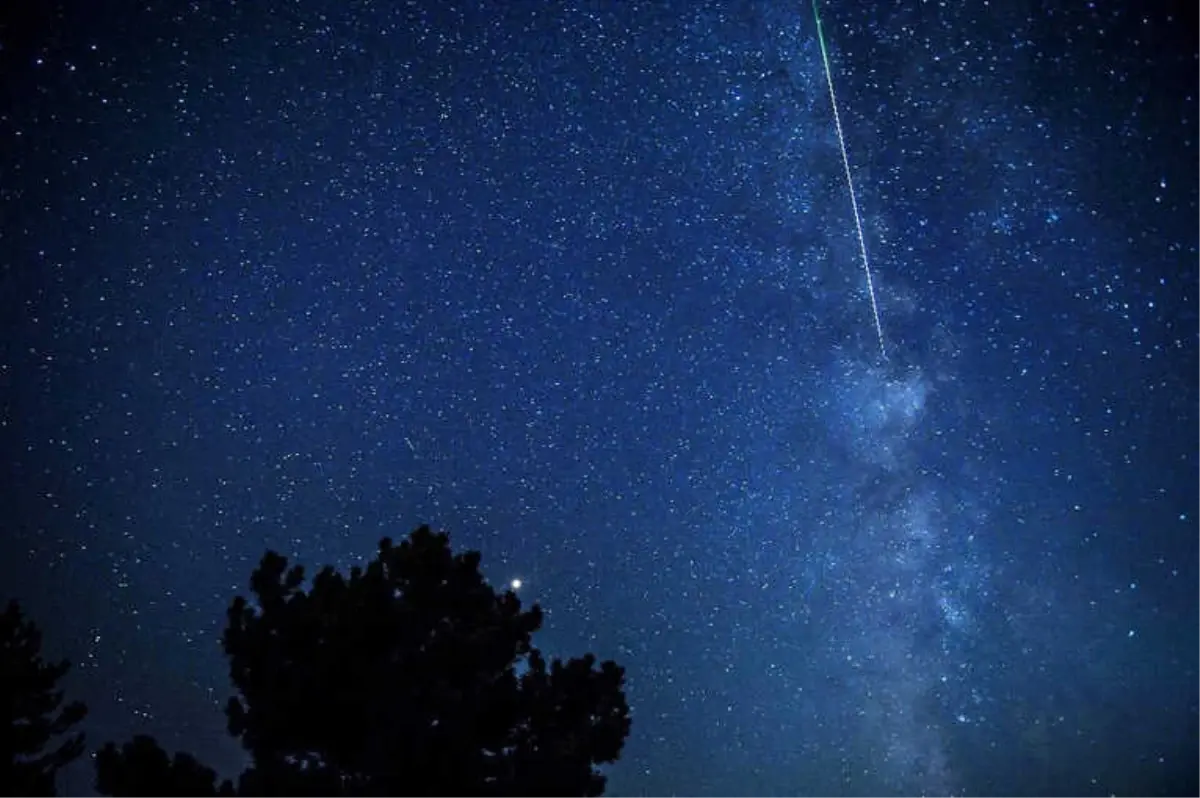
{"points": [[579, 283]]}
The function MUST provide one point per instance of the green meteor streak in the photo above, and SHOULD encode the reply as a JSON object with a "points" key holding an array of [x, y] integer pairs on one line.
{"points": [[821, 36]]}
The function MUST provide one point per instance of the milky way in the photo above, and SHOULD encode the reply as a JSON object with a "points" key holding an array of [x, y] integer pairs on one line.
{"points": [[894, 579]]}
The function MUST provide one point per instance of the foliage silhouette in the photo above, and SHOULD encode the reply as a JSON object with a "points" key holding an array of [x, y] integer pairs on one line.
{"points": [[142, 768], [31, 706], [411, 676]]}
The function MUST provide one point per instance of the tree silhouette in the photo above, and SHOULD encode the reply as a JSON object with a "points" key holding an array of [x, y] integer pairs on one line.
{"points": [[31, 705], [142, 768], [411, 676]]}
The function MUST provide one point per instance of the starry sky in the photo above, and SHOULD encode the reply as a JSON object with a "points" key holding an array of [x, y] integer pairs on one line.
{"points": [[579, 283]]}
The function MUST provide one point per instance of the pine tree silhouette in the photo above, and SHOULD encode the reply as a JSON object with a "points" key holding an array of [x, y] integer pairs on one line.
{"points": [[400, 679], [33, 711], [142, 768]]}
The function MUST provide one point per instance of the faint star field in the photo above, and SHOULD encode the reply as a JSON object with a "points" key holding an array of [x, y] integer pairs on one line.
{"points": [[579, 284]]}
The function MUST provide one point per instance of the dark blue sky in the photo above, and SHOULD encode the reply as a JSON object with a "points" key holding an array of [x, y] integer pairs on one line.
{"points": [[579, 283]]}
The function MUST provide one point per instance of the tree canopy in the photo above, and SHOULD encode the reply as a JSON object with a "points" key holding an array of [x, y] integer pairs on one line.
{"points": [[409, 676], [142, 768], [33, 714]]}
